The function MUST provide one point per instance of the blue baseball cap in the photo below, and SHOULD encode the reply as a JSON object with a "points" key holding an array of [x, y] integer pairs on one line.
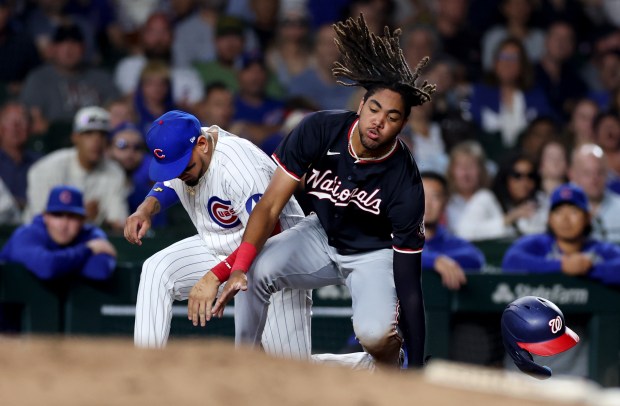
{"points": [[538, 326], [171, 139], [65, 199], [569, 194]]}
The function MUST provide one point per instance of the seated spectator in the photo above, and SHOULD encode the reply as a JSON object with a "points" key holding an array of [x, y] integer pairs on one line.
{"points": [[538, 131], [473, 212], [606, 128], [425, 140], [15, 157], [588, 170], [444, 253], [552, 166], [316, 84], [84, 166], [504, 106], [256, 116], [58, 243], [57, 90], [291, 53], [557, 73], [517, 24], [121, 111], [517, 188], [18, 53], [9, 211], [153, 96], [217, 107], [607, 66], [580, 129], [155, 45], [567, 246]]}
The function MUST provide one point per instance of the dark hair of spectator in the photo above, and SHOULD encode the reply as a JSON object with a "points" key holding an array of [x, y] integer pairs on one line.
{"points": [[602, 116], [436, 176], [506, 170]]}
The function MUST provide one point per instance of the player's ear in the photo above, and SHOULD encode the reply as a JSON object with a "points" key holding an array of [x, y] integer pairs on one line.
{"points": [[202, 144], [359, 109]]}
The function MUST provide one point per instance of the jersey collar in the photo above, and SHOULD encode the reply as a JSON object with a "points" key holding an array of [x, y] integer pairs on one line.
{"points": [[367, 160]]}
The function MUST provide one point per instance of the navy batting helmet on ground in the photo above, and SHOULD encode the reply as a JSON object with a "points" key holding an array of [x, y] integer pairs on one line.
{"points": [[533, 325]]}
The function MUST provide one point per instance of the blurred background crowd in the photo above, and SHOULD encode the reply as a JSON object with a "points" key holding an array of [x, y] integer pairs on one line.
{"points": [[528, 95]]}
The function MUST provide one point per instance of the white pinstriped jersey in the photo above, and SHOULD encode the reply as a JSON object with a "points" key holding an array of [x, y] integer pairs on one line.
{"points": [[221, 203]]}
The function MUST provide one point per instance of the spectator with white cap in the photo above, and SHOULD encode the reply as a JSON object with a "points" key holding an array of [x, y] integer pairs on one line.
{"points": [[85, 166]]}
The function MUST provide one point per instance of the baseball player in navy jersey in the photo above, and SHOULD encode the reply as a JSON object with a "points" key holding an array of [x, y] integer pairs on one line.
{"points": [[367, 230], [218, 178]]}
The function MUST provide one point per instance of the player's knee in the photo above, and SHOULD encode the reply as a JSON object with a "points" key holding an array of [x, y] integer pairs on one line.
{"points": [[372, 333]]}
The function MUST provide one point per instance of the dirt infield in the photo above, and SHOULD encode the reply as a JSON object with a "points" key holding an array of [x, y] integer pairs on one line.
{"points": [[36, 371]]}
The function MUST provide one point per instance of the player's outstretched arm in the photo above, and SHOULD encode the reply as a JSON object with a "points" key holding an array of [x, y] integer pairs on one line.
{"points": [[260, 226], [139, 222]]}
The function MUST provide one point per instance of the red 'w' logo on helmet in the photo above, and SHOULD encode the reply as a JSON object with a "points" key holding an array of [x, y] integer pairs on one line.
{"points": [[555, 324], [159, 154]]}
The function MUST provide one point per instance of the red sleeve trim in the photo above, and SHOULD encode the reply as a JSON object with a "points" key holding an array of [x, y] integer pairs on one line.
{"points": [[281, 165], [406, 250]]}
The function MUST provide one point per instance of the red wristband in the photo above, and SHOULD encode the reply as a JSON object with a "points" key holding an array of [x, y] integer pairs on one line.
{"points": [[224, 268], [245, 256]]}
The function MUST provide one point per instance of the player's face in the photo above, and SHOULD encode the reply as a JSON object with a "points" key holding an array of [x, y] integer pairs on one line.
{"points": [[63, 228], [198, 163], [382, 117], [434, 199], [568, 222]]}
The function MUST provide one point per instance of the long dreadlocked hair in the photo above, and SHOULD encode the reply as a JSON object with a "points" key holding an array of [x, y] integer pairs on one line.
{"points": [[373, 62]]}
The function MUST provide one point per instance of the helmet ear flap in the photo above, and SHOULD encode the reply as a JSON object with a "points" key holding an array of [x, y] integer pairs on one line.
{"points": [[524, 360]]}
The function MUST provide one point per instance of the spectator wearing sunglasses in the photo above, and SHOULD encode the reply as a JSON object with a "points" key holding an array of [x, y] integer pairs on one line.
{"points": [[59, 243], [86, 167], [127, 147], [517, 188]]}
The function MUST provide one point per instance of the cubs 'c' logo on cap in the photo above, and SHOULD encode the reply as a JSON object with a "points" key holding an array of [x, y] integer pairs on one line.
{"points": [[566, 193], [65, 197], [159, 154], [222, 213]]}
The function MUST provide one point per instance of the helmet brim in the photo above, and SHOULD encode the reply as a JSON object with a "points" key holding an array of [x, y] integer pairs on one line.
{"points": [[552, 347]]}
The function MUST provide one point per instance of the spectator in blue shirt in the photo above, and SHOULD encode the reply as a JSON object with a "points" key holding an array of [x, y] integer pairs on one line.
{"points": [[58, 242], [447, 254], [566, 247]]}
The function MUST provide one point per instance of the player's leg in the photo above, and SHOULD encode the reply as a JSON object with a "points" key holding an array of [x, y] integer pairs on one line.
{"points": [[297, 258], [370, 279], [166, 276], [287, 329]]}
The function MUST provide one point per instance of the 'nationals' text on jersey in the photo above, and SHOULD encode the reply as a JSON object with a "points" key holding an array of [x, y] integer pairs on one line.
{"points": [[362, 205]]}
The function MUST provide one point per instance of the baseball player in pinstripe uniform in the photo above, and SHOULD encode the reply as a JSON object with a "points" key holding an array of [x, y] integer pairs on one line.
{"points": [[218, 178]]}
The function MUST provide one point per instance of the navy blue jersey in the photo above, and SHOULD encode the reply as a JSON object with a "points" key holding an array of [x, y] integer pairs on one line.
{"points": [[362, 205]]}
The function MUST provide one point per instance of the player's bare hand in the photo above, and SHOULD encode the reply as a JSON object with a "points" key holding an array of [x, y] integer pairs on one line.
{"points": [[576, 264], [452, 275], [101, 246], [201, 299], [237, 281], [136, 227]]}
